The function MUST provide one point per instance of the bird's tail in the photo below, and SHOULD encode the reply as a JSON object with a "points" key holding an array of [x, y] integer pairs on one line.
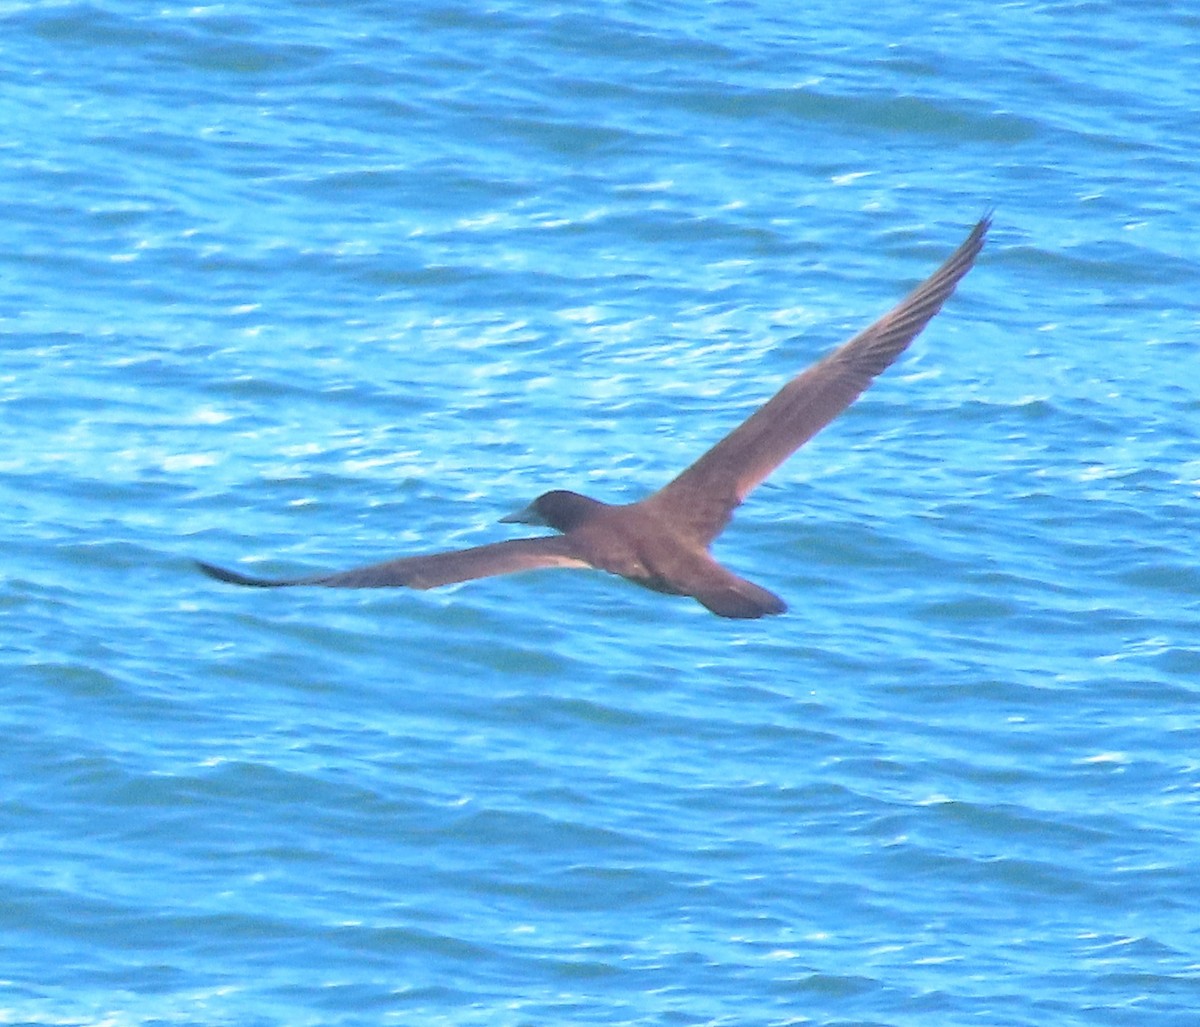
{"points": [[741, 599]]}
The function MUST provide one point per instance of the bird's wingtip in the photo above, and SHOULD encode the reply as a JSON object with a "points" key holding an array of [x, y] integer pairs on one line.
{"points": [[233, 577]]}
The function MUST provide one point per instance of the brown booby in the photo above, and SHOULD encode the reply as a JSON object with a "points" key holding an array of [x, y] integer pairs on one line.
{"points": [[662, 542]]}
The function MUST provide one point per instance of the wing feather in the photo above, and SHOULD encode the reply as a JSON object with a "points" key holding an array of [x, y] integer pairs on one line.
{"points": [[431, 570], [706, 493]]}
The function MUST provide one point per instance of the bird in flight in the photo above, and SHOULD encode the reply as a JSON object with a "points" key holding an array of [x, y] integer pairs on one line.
{"points": [[662, 542]]}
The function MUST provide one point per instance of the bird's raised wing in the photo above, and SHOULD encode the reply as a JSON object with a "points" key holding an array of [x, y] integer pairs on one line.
{"points": [[432, 570], [704, 496]]}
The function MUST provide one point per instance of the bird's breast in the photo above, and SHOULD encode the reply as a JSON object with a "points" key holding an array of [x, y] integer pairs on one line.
{"points": [[642, 550]]}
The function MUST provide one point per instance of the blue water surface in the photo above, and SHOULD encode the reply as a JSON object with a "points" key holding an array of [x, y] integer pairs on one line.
{"points": [[303, 285]]}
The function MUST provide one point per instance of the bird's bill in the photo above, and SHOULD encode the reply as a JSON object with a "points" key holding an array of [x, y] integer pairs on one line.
{"points": [[526, 516]]}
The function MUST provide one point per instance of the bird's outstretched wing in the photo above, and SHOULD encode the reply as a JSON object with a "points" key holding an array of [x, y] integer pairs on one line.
{"points": [[704, 496], [432, 570]]}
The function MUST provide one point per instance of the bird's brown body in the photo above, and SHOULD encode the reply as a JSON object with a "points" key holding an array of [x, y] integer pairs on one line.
{"points": [[662, 542]]}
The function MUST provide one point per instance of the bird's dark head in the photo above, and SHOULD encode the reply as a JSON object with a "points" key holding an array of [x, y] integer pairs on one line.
{"points": [[559, 509]]}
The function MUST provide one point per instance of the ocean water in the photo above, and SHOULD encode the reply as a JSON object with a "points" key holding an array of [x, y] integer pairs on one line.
{"points": [[303, 285]]}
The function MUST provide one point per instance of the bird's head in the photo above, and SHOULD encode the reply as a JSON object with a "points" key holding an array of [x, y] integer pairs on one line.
{"points": [[559, 509]]}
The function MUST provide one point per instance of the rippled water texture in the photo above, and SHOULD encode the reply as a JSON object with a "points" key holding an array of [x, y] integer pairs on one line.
{"points": [[297, 286]]}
